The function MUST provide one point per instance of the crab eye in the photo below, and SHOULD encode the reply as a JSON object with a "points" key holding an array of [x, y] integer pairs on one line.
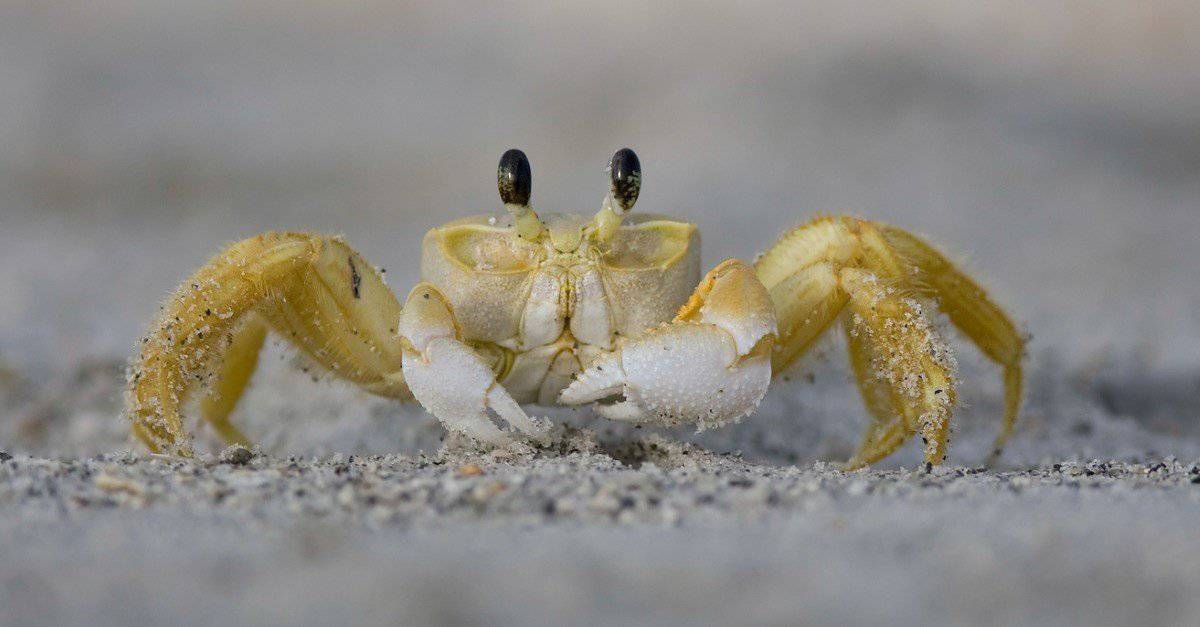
{"points": [[514, 178], [626, 173]]}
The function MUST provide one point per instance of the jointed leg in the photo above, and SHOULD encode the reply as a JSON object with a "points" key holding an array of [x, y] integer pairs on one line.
{"points": [[902, 368], [314, 291], [177, 354], [904, 372], [972, 312], [237, 365], [908, 356], [807, 303], [886, 431], [340, 313], [881, 439]]}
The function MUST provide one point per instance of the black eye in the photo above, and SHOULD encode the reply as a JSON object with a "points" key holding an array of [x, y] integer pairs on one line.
{"points": [[626, 173], [514, 178]]}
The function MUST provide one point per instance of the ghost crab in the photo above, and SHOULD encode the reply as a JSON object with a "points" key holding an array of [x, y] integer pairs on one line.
{"points": [[520, 308]]}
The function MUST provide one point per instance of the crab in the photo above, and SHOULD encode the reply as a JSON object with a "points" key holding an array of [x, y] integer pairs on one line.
{"points": [[519, 308]]}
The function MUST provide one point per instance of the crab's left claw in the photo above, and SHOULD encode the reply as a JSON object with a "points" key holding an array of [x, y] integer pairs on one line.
{"points": [[710, 365]]}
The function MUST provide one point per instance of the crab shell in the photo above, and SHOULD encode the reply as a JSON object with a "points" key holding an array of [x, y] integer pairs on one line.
{"points": [[544, 310]]}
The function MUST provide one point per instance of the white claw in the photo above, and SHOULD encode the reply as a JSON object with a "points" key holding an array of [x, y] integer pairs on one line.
{"points": [[623, 411], [602, 378], [450, 379], [684, 372], [454, 384], [709, 366], [503, 404]]}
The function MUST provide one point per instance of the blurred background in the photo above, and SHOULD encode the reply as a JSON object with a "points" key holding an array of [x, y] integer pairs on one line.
{"points": [[1054, 148]]}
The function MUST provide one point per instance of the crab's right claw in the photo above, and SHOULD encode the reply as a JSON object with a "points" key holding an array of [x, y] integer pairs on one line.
{"points": [[450, 379], [710, 365]]}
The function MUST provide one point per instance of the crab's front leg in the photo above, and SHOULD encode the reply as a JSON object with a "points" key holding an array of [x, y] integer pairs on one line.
{"points": [[710, 365], [451, 380]]}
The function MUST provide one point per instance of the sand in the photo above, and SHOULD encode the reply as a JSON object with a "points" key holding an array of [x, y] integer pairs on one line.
{"points": [[606, 526], [648, 532]]}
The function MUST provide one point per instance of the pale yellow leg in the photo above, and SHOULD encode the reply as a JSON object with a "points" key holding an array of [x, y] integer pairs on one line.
{"points": [[314, 291], [176, 354], [878, 398], [805, 272], [807, 303], [887, 429], [237, 365], [339, 313], [972, 311], [801, 271], [882, 440], [892, 414], [908, 356]]}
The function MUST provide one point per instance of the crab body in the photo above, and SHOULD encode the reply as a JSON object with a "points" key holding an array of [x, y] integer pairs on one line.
{"points": [[515, 308], [543, 309]]}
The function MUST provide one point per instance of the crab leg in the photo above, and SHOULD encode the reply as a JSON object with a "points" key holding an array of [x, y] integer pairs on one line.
{"points": [[450, 379], [974, 313], [875, 270], [314, 291], [710, 365], [886, 432], [237, 366], [907, 357], [807, 302], [176, 354]]}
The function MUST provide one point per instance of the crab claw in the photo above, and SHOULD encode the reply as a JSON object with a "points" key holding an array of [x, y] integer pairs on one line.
{"points": [[451, 380], [710, 365]]}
